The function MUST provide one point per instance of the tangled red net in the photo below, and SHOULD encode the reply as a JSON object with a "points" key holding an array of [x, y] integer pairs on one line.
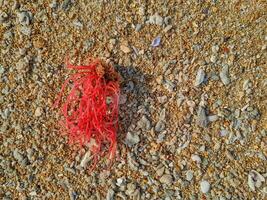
{"points": [[90, 110]]}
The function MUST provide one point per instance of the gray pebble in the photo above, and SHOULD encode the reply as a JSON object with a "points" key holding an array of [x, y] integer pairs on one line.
{"points": [[202, 119], [26, 30], [131, 139], [24, 18], [110, 194], [189, 175], [144, 123], [17, 155], [138, 27], [199, 77], [224, 75], [160, 126]]}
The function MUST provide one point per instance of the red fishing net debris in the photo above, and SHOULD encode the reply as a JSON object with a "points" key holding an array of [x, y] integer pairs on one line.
{"points": [[90, 110]]}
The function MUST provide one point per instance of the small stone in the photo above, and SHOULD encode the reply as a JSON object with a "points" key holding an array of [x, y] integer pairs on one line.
{"points": [[110, 194], [17, 155], [160, 126], [160, 171], [38, 112], [158, 19], [119, 181], [3, 17], [130, 188], [167, 28], [24, 18], [138, 27], [144, 123], [2, 69], [224, 75], [166, 179], [132, 139], [255, 179], [204, 186], [189, 175], [125, 49], [196, 158], [213, 118], [26, 30], [202, 119], [199, 77], [85, 160], [215, 49], [213, 58], [224, 132]]}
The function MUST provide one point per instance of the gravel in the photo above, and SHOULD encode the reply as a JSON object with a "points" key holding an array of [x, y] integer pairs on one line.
{"points": [[191, 109]]}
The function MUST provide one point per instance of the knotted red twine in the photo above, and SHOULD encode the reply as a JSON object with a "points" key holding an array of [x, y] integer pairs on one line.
{"points": [[90, 109]]}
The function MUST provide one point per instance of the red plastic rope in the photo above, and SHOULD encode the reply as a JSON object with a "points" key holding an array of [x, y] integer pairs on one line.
{"points": [[90, 110]]}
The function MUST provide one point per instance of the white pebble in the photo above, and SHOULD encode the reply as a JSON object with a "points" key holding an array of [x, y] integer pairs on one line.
{"points": [[196, 158], [38, 112], [204, 186]]}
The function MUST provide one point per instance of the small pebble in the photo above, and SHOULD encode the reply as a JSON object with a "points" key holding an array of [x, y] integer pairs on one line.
{"points": [[110, 194], [85, 160], [138, 27], [144, 123], [213, 58], [24, 18], [158, 19], [38, 112], [202, 119], [199, 77], [189, 175], [204, 186], [125, 49], [224, 75], [131, 139], [196, 158], [166, 179]]}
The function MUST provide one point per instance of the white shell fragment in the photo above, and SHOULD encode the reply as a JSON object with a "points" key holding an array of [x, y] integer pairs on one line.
{"points": [[156, 42], [255, 179], [85, 160]]}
